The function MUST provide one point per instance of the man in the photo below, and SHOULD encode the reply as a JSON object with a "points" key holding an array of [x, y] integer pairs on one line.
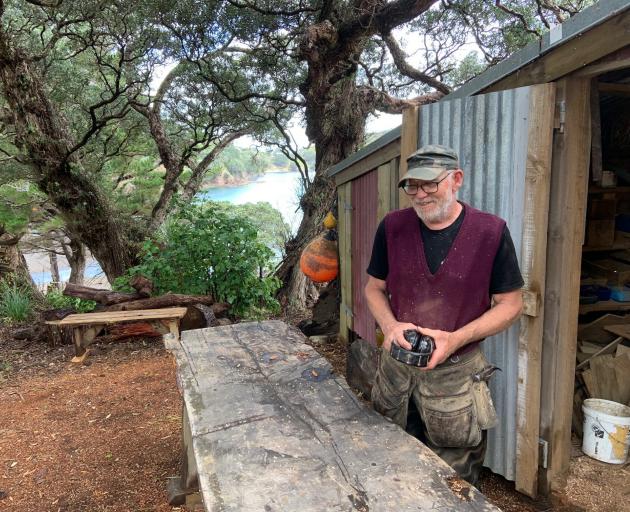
{"points": [[449, 271]]}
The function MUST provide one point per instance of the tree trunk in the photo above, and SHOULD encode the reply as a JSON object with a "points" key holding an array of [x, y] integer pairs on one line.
{"points": [[43, 138], [55, 278], [13, 265], [336, 124], [75, 254]]}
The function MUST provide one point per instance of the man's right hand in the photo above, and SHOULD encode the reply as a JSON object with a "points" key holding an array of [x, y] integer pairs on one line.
{"points": [[394, 332]]}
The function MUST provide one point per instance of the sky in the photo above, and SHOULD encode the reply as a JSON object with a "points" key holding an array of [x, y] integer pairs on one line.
{"points": [[375, 124]]}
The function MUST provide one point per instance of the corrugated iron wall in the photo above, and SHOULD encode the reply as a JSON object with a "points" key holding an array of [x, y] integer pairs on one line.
{"points": [[490, 133], [364, 214]]}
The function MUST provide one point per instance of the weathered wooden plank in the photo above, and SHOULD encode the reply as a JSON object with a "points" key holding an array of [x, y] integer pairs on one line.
{"points": [[108, 317], [383, 155], [596, 134], [569, 183], [614, 89], [611, 62], [384, 191], [273, 428], [590, 46], [345, 260], [408, 144], [533, 258]]}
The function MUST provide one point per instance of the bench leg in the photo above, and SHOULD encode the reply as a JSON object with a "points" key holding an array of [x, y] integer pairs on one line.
{"points": [[184, 489], [167, 327], [83, 338], [80, 352]]}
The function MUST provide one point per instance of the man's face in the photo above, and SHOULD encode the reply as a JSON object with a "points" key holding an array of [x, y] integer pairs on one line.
{"points": [[436, 207]]}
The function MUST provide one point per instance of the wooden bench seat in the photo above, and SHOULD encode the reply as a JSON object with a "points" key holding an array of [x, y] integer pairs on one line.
{"points": [[269, 427], [86, 326]]}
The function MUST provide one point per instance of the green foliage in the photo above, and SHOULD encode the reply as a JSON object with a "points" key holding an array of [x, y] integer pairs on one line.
{"points": [[273, 231], [208, 249], [57, 300], [16, 304], [468, 67], [18, 205]]}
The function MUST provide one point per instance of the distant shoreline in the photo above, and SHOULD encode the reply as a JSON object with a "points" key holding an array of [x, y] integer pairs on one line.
{"points": [[244, 181]]}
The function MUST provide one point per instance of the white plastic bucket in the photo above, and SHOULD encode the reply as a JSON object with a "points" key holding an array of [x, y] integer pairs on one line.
{"points": [[606, 430]]}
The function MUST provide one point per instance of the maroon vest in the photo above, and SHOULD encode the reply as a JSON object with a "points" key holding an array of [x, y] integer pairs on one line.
{"points": [[459, 292]]}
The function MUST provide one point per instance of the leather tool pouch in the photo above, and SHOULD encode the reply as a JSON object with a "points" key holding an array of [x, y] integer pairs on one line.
{"points": [[454, 408], [486, 413]]}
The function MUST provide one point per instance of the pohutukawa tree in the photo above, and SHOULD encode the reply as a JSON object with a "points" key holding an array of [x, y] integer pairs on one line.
{"points": [[77, 83], [340, 61]]}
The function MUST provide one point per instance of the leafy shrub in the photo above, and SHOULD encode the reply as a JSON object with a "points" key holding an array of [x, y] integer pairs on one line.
{"points": [[16, 304], [57, 300], [208, 249]]}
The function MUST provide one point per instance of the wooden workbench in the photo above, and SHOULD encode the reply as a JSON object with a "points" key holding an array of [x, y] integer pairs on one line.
{"points": [[269, 427]]}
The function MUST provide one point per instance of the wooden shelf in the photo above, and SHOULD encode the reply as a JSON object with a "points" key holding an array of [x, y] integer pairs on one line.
{"points": [[604, 305], [615, 247], [607, 190]]}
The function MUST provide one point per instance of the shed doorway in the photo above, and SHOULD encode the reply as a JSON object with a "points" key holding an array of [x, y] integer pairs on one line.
{"points": [[603, 335]]}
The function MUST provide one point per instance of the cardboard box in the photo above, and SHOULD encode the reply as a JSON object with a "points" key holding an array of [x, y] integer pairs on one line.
{"points": [[600, 209], [600, 233], [617, 273]]}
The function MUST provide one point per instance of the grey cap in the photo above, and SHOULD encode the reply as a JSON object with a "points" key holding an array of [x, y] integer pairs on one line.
{"points": [[429, 162]]}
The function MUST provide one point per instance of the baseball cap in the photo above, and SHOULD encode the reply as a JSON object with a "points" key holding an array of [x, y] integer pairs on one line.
{"points": [[428, 162]]}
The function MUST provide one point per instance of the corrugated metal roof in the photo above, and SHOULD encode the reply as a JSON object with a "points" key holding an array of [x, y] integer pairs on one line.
{"points": [[558, 35], [490, 133]]}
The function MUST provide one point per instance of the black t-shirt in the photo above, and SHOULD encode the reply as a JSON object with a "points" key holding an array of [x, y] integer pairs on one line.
{"points": [[506, 275]]}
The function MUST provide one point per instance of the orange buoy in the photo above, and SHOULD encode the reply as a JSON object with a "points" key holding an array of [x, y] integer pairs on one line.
{"points": [[319, 260]]}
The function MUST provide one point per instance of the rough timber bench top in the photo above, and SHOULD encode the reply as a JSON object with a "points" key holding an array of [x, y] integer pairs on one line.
{"points": [[86, 326], [270, 428], [113, 317]]}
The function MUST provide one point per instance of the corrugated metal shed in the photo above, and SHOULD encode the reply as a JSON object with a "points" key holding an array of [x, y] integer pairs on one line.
{"points": [[490, 133]]}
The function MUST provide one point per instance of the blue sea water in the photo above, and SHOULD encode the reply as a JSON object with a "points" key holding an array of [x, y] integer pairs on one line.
{"points": [[92, 269], [280, 189]]}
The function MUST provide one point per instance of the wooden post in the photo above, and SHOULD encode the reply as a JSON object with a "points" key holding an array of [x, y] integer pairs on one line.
{"points": [[567, 208], [408, 144], [534, 255], [385, 184], [596, 133], [344, 207]]}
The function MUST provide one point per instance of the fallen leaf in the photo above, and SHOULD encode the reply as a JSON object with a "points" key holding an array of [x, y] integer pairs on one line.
{"points": [[314, 373]]}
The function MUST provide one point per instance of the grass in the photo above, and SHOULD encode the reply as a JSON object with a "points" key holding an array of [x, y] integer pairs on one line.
{"points": [[16, 304]]}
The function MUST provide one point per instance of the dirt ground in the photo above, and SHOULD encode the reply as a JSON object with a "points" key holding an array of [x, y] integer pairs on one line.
{"points": [[105, 436]]}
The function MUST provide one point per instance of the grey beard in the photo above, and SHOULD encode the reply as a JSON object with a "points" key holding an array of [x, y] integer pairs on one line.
{"points": [[438, 215]]}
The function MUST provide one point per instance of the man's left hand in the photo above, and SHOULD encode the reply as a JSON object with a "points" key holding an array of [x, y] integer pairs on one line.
{"points": [[445, 346]]}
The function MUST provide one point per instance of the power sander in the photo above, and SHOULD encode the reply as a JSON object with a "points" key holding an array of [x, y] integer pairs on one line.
{"points": [[422, 346]]}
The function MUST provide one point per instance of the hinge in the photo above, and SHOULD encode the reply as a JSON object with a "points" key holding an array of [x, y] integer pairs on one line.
{"points": [[560, 116], [543, 452]]}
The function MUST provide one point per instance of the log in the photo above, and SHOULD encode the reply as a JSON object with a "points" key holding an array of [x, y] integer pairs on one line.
{"points": [[172, 300], [105, 297], [131, 330], [56, 314], [198, 316], [142, 285]]}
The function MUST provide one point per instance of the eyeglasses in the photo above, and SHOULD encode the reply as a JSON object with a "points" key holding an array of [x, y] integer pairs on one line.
{"points": [[428, 187]]}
